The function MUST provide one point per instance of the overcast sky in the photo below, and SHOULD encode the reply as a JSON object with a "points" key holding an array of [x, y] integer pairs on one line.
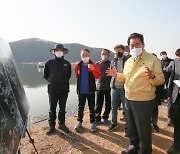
{"points": [[95, 23]]}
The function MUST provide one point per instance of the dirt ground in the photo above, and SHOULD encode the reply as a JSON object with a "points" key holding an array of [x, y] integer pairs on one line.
{"points": [[88, 142]]}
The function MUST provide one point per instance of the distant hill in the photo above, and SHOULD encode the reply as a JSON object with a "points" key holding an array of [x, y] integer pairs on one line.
{"points": [[35, 50]]}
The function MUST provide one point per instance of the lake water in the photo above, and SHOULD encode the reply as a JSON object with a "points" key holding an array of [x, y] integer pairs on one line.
{"points": [[36, 91]]}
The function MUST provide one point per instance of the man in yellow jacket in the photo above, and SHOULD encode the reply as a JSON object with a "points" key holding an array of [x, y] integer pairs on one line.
{"points": [[142, 73]]}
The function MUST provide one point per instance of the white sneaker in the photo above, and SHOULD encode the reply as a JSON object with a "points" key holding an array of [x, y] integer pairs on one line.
{"points": [[78, 125]]}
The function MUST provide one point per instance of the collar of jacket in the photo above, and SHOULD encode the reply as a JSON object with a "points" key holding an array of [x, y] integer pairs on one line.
{"points": [[59, 58], [108, 61], [124, 58], [143, 56], [166, 60]]}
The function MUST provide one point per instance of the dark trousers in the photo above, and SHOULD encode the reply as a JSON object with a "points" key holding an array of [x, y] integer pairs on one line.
{"points": [[175, 111], [55, 98], [91, 104], [155, 113], [99, 104], [138, 119]]}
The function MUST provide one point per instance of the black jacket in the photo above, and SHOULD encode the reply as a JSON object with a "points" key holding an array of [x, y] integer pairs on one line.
{"points": [[164, 65], [57, 72]]}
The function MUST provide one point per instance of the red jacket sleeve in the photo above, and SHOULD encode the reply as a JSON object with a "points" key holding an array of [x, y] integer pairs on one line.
{"points": [[77, 69], [96, 72]]}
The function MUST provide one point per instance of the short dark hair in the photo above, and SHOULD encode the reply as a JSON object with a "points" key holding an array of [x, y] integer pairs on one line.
{"points": [[106, 50], [135, 35], [85, 50], [177, 53], [163, 53], [119, 46], [126, 46]]}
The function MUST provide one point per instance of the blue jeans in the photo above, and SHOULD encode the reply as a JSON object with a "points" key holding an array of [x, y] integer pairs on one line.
{"points": [[117, 95]]}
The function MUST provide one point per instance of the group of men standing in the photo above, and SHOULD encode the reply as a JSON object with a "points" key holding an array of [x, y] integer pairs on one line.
{"points": [[131, 81]]}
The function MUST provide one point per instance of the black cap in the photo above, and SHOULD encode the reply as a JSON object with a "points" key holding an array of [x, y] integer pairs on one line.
{"points": [[59, 46]]}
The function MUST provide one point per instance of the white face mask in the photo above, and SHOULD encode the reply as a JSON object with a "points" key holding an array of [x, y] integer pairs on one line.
{"points": [[59, 54], [104, 57], [85, 59], [136, 52], [126, 53]]}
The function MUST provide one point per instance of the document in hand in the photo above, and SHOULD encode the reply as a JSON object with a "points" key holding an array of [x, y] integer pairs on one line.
{"points": [[177, 82]]}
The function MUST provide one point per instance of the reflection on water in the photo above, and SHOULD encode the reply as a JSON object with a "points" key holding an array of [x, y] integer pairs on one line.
{"points": [[38, 100], [36, 91], [32, 76]]}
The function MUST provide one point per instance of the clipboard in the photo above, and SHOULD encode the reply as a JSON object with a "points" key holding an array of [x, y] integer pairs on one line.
{"points": [[177, 82]]}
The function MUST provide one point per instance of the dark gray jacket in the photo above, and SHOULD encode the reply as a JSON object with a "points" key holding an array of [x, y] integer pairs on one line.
{"points": [[103, 83], [175, 75], [57, 72]]}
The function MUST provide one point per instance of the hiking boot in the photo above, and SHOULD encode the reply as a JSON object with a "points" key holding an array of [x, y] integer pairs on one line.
{"points": [[106, 121], [63, 128], [50, 130], [156, 128], [93, 127], [78, 126], [112, 127]]}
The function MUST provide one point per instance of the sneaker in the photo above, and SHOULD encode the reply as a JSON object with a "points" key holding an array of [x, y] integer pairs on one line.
{"points": [[125, 133], [63, 128], [50, 130], [106, 121], [131, 150], [169, 123], [156, 128], [78, 125], [119, 108], [122, 118], [112, 127], [93, 127], [172, 150], [98, 122]]}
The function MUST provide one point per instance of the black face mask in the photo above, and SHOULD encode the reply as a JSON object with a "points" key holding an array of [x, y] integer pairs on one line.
{"points": [[119, 54]]}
